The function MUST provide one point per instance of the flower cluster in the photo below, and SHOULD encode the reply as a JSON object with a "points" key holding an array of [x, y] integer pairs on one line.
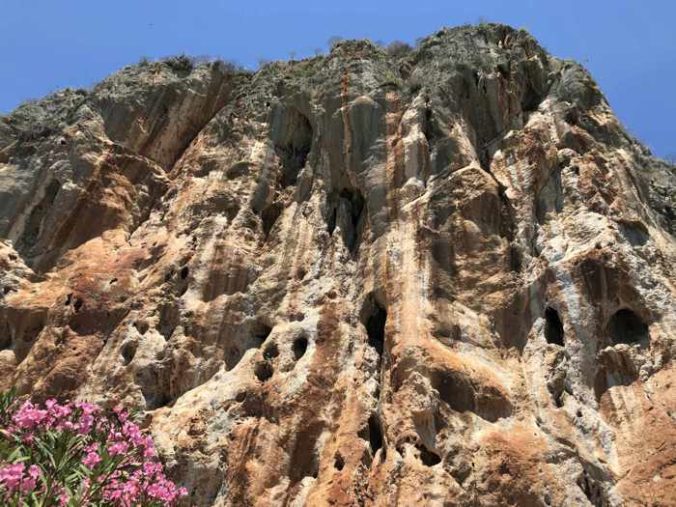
{"points": [[76, 454]]}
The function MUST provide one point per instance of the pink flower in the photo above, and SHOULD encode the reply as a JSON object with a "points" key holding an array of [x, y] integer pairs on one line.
{"points": [[61, 411], [133, 433], [11, 475], [121, 413], [87, 408], [28, 484], [28, 416], [66, 425], [150, 468], [64, 499], [91, 460], [34, 471], [139, 475], [118, 448], [93, 447], [85, 424]]}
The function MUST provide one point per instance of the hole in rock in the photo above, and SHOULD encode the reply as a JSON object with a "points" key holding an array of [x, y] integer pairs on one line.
{"points": [[455, 390], [299, 347], [238, 169], [261, 332], [263, 371], [38, 213], [375, 434], [634, 232], [184, 272], [530, 99], [141, 326], [157, 401], [154, 383], [77, 305], [5, 338], [591, 490], [240, 397], [627, 327], [293, 142], [351, 204], [270, 215], [338, 462], [428, 457], [271, 351], [169, 320], [553, 327], [374, 317], [304, 460], [515, 259], [69, 298], [346, 212], [128, 351], [331, 223]]}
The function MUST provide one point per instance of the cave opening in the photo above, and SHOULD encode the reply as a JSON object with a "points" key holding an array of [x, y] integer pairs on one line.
{"points": [[293, 143], [428, 457], [353, 202], [374, 318], [269, 216], [261, 331], [234, 350], [454, 390], [299, 347], [304, 459], [634, 232], [338, 462], [37, 216], [263, 371], [375, 435], [347, 211], [271, 351], [627, 327], [553, 327], [5, 337], [128, 351]]}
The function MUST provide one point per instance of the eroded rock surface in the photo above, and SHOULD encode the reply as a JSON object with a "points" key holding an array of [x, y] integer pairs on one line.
{"points": [[443, 277]]}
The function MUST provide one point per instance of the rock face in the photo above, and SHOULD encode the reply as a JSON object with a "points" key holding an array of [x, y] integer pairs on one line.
{"points": [[442, 276]]}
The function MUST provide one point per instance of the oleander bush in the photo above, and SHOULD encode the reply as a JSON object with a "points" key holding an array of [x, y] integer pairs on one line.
{"points": [[76, 454]]}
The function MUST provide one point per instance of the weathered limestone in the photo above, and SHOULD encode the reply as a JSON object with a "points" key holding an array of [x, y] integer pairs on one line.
{"points": [[439, 278]]}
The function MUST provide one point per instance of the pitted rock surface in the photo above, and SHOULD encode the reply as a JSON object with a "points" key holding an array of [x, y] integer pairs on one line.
{"points": [[436, 277]]}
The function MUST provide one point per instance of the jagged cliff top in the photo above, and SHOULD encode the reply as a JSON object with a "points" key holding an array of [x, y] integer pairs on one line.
{"points": [[452, 57]]}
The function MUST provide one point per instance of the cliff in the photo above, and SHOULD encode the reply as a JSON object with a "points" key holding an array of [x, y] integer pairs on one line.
{"points": [[442, 276]]}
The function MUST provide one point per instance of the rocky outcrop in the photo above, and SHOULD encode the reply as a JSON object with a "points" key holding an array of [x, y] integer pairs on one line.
{"points": [[441, 277]]}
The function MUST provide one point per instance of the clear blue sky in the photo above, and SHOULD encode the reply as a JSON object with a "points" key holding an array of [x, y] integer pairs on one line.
{"points": [[629, 45]]}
